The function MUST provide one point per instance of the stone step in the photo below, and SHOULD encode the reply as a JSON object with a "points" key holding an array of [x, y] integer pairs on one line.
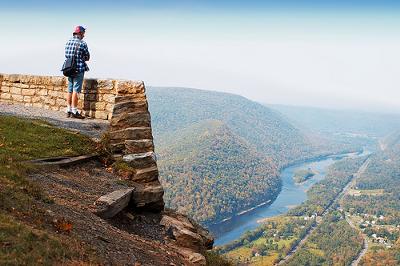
{"points": [[109, 205], [146, 175], [130, 133], [141, 160], [134, 119]]}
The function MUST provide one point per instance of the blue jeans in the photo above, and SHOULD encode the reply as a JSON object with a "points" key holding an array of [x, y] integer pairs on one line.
{"points": [[75, 83]]}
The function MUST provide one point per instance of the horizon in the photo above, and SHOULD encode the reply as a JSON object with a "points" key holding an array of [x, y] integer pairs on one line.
{"points": [[331, 55]]}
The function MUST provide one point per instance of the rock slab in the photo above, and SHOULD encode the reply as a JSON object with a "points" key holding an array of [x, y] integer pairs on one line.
{"points": [[111, 204]]}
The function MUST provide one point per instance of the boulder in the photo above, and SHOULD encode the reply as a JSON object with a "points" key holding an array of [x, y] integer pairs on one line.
{"points": [[111, 204], [179, 219], [192, 258], [187, 234]]}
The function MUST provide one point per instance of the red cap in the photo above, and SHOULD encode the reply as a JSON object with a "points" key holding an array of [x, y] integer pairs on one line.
{"points": [[79, 29]]}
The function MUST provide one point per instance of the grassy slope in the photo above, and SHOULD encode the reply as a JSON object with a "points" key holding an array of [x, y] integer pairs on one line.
{"points": [[26, 233]]}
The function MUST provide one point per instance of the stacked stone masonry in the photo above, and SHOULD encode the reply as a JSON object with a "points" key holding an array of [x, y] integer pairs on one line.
{"points": [[131, 140], [96, 100]]}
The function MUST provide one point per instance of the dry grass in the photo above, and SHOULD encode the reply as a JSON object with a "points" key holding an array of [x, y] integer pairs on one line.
{"points": [[27, 236]]}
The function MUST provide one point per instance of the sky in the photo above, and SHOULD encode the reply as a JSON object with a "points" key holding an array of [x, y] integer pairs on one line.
{"points": [[332, 54]]}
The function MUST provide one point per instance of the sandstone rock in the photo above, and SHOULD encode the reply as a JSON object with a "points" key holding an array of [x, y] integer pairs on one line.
{"points": [[139, 146], [129, 107], [136, 119], [125, 87], [17, 98], [117, 147], [176, 218], [141, 160], [146, 175], [28, 92], [27, 99], [101, 115], [5, 96], [183, 232], [149, 196], [122, 99], [132, 133], [15, 90], [193, 258], [105, 84], [168, 221], [59, 81], [111, 204]]}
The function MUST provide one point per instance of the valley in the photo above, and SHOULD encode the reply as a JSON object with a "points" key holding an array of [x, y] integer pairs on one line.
{"points": [[270, 183], [220, 154]]}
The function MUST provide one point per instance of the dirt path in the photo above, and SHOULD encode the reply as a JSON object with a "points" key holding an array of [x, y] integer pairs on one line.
{"points": [[90, 127]]}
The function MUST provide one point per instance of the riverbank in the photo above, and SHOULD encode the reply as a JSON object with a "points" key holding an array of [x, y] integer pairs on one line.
{"points": [[290, 194], [264, 202]]}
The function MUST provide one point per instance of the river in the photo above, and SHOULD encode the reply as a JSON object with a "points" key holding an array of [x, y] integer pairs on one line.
{"points": [[291, 195]]}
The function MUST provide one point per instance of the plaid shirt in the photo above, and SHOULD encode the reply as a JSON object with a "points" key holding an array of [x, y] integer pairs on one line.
{"points": [[82, 54]]}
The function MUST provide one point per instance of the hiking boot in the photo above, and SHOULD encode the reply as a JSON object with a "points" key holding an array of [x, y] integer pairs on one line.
{"points": [[77, 115], [68, 114]]}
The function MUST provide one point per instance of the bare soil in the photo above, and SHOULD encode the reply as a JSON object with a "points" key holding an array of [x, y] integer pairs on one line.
{"points": [[130, 238]]}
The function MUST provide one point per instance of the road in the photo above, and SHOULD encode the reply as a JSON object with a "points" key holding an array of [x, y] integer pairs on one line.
{"points": [[350, 184], [365, 244], [365, 238]]}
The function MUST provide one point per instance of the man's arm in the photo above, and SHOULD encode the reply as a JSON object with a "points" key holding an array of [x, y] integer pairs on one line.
{"points": [[86, 55]]}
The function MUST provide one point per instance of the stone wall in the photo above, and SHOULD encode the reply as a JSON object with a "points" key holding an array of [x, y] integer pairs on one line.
{"points": [[96, 99]]}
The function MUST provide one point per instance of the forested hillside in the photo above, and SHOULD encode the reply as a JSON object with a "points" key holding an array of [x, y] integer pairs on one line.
{"points": [[267, 131], [220, 153], [209, 172]]}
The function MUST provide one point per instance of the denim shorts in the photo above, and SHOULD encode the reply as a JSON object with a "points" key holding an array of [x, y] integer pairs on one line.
{"points": [[75, 83]]}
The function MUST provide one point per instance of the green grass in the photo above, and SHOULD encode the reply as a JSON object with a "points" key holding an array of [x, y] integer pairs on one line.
{"points": [[22, 139], [25, 234]]}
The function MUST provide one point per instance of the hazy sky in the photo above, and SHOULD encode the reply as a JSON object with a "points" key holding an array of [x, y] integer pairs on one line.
{"points": [[343, 54]]}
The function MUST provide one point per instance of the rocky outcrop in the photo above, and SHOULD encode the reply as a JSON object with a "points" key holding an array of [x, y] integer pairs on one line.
{"points": [[131, 141], [191, 239]]}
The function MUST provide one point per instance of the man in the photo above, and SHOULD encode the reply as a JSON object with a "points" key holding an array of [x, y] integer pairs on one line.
{"points": [[78, 48]]}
